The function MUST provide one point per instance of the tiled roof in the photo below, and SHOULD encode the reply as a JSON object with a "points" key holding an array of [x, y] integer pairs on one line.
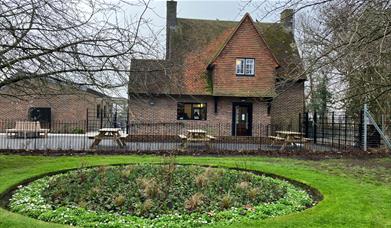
{"points": [[194, 45]]}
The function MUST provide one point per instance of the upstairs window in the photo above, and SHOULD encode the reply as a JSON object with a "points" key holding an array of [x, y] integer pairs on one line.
{"points": [[191, 111], [245, 67]]}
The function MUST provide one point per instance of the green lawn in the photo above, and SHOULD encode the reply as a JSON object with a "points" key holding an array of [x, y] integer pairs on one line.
{"points": [[356, 193]]}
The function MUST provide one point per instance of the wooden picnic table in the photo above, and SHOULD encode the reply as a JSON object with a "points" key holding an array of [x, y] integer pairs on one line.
{"points": [[294, 133], [109, 133], [24, 128], [196, 135], [289, 138]]}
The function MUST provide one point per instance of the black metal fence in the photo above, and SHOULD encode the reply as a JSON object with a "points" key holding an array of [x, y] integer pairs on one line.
{"points": [[332, 129], [327, 132], [339, 130], [316, 132]]}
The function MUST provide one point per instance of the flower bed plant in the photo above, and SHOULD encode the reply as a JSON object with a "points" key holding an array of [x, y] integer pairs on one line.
{"points": [[157, 195]]}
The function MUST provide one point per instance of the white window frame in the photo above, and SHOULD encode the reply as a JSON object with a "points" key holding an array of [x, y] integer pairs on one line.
{"points": [[246, 66], [240, 66], [249, 67]]}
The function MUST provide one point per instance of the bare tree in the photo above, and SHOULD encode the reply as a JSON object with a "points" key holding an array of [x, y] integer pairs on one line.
{"points": [[83, 42], [349, 41], [353, 42]]}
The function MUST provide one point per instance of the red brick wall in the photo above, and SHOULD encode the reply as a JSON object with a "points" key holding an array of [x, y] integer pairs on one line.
{"points": [[244, 43], [63, 107], [287, 106], [164, 110]]}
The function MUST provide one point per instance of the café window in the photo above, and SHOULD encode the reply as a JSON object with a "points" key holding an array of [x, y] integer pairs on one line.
{"points": [[191, 111]]}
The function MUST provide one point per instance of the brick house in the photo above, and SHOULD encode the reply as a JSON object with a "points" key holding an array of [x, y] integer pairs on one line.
{"points": [[242, 73], [58, 106]]}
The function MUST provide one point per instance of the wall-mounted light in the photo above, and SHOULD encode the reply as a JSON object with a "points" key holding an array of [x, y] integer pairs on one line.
{"points": [[151, 102]]}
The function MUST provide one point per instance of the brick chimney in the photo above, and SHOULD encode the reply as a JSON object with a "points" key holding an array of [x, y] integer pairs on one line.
{"points": [[170, 25], [287, 19]]}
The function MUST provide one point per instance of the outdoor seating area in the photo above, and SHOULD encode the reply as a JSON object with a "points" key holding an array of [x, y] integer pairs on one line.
{"points": [[27, 129], [29, 135], [289, 138], [196, 136], [113, 134]]}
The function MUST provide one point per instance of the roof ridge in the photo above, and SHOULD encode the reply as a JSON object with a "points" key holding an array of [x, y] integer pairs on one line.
{"points": [[218, 20]]}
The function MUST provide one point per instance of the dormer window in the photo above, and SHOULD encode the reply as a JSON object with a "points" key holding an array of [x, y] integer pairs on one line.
{"points": [[245, 66]]}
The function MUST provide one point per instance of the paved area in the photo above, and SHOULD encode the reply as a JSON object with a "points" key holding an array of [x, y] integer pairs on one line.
{"points": [[82, 142]]}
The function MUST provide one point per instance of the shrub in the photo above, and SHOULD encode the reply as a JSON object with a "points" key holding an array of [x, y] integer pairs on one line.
{"points": [[102, 170], [147, 205], [201, 180], [119, 200], [194, 201], [127, 171], [149, 187], [253, 193], [244, 185], [77, 130], [226, 201]]}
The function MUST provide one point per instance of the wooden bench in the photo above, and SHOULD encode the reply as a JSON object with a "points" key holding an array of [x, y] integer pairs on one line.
{"points": [[275, 139], [207, 138], [27, 127], [304, 141], [183, 137], [211, 137]]}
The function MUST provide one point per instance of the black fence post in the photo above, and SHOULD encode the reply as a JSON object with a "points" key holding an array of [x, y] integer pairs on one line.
{"points": [[87, 120], [361, 129], [101, 118], [306, 123], [324, 115], [300, 124], [346, 128], [127, 122], [315, 127], [332, 129], [339, 134], [115, 119]]}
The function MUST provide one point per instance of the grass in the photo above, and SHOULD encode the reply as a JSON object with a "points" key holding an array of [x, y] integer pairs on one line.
{"points": [[356, 193]]}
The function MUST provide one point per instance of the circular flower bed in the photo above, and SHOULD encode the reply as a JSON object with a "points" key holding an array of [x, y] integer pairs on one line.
{"points": [[157, 195]]}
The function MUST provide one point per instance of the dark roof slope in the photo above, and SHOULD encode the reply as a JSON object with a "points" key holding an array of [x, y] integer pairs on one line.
{"points": [[194, 44], [151, 76]]}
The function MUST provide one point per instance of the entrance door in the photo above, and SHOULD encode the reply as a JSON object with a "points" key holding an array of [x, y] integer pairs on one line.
{"points": [[242, 116]]}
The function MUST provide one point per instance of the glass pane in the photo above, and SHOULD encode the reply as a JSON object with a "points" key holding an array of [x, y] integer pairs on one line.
{"points": [[187, 112], [250, 66], [183, 111], [180, 111], [196, 113], [240, 66]]}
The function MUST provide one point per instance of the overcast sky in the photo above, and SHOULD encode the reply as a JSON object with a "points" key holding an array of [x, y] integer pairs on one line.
{"points": [[217, 9]]}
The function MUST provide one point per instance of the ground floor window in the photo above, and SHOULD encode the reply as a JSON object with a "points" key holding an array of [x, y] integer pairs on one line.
{"points": [[191, 111]]}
